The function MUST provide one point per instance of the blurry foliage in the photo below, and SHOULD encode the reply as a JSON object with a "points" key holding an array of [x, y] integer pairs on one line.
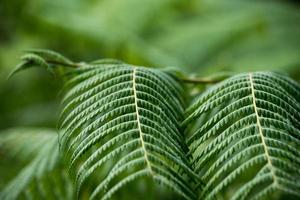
{"points": [[236, 35], [198, 36], [43, 176]]}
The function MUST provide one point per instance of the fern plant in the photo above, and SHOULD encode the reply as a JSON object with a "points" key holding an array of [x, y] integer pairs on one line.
{"points": [[122, 124], [42, 177]]}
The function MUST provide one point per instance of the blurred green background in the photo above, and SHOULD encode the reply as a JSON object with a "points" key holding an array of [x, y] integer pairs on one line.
{"points": [[202, 37]]}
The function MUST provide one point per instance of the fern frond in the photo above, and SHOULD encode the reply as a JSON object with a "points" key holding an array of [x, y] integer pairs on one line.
{"points": [[31, 60], [43, 177], [122, 122], [50, 56], [247, 129], [24, 143], [45, 59]]}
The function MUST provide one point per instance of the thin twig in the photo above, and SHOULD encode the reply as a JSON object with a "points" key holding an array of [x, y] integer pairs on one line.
{"points": [[200, 80]]}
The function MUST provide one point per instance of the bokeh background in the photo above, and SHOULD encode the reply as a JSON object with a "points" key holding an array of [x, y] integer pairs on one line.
{"points": [[199, 37], [202, 37]]}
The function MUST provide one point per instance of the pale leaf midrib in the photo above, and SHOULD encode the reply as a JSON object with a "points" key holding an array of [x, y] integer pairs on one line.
{"points": [[271, 166], [138, 120]]}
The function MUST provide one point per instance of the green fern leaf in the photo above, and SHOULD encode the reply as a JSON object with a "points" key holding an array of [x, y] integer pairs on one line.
{"points": [[122, 122], [50, 56], [24, 143], [29, 61], [45, 59], [245, 137], [43, 177]]}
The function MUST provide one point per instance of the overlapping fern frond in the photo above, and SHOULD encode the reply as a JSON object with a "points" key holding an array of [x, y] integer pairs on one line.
{"points": [[121, 122], [43, 177], [246, 138]]}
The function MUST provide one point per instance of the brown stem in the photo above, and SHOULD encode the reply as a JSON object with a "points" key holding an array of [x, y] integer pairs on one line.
{"points": [[200, 80]]}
